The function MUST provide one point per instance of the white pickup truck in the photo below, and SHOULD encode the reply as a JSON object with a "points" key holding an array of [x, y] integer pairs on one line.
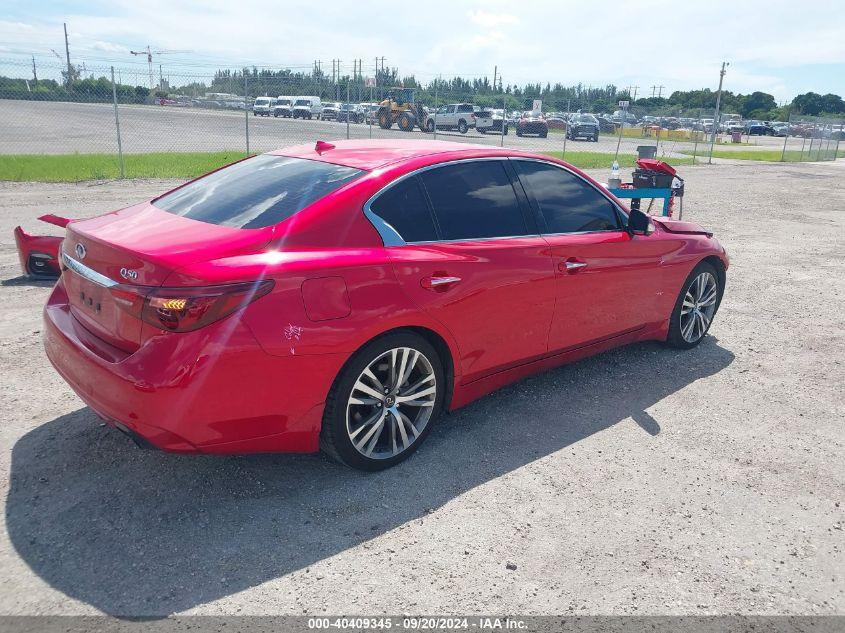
{"points": [[455, 116]]}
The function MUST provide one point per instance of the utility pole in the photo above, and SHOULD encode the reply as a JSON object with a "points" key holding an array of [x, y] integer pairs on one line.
{"points": [[160, 78], [660, 91], [34, 73], [67, 55], [495, 72], [716, 113], [653, 90]]}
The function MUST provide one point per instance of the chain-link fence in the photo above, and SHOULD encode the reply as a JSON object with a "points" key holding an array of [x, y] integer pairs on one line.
{"points": [[123, 114]]}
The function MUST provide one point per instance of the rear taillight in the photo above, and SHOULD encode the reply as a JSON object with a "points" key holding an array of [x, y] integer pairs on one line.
{"points": [[187, 309]]}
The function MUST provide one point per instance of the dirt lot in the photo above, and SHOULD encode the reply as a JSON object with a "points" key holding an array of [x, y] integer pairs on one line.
{"points": [[644, 480]]}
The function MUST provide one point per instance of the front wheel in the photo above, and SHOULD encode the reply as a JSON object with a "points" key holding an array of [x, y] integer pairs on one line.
{"points": [[429, 126], [383, 403], [462, 126], [695, 307]]}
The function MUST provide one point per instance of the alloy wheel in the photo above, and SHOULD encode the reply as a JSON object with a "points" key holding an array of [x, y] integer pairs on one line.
{"points": [[391, 403], [699, 306]]}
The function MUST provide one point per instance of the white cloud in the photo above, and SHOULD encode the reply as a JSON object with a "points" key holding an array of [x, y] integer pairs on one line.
{"points": [[491, 20]]}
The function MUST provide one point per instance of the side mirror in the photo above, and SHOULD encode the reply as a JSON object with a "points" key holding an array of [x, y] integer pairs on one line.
{"points": [[639, 223]]}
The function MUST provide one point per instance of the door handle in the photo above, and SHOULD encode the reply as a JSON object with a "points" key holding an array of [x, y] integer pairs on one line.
{"points": [[571, 266], [440, 283]]}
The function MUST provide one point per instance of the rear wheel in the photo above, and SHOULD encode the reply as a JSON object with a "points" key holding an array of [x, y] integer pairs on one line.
{"points": [[544, 134], [695, 307], [462, 126], [385, 121], [383, 403], [429, 126]]}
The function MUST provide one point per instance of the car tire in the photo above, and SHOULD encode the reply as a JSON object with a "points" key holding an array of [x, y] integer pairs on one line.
{"points": [[695, 307], [544, 134], [518, 133], [364, 432], [595, 138], [462, 126], [429, 126]]}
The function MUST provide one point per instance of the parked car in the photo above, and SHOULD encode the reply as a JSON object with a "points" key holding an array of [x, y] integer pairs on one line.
{"points": [[583, 126], [330, 111], [307, 108], [556, 121], [351, 111], [758, 128], [490, 121], [244, 312], [263, 106], [370, 113], [455, 116], [606, 125], [733, 125], [283, 107], [532, 123], [780, 129]]}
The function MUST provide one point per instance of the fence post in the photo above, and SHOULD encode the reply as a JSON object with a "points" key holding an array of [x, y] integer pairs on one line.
{"points": [[566, 127], [785, 139], [348, 112], [117, 125], [436, 85], [246, 112], [504, 117]]}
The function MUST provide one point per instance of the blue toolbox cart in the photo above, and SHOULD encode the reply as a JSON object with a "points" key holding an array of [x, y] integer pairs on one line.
{"points": [[635, 195]]}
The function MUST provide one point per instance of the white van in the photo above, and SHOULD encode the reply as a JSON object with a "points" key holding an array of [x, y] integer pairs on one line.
{"points": [[283, 106], [307, 107], [263, 106]]}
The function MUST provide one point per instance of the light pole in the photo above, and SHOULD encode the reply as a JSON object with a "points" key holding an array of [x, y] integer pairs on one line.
{"points": [[716, 113]]}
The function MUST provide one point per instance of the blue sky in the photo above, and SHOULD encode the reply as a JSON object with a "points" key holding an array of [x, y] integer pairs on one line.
{"points": [[782, 48]]}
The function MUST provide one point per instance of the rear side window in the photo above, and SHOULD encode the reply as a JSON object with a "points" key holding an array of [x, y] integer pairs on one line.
{"points": [[405, 209], [474, 200], [257, 192], [567, 203]]}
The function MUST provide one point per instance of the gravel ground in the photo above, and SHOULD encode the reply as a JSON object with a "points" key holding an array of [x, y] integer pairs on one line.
{"points": [[644, 480]]}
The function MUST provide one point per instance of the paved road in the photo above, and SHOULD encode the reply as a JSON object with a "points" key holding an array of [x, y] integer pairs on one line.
{"points": [[31, 127], [645, 480]]}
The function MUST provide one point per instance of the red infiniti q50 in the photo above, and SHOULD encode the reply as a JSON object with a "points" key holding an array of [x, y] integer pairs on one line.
{"points": [[341, 296]]}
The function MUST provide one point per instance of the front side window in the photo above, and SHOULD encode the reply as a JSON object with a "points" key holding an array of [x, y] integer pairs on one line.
{"points": [[474, 200], [403, 206], [567, 203], [256, 192]]}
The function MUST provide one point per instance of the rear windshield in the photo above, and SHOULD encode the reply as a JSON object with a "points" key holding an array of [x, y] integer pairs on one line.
{"points": [[257, 192]]}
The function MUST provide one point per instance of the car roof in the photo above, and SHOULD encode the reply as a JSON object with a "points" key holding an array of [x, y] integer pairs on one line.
{"points": [[371, 154]]}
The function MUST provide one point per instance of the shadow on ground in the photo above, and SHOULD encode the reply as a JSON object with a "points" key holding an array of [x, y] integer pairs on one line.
{"points": [[24, 280], [136, 532]]}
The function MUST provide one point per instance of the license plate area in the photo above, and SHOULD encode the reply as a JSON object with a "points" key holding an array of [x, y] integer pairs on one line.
{"points": [[95, 308]]}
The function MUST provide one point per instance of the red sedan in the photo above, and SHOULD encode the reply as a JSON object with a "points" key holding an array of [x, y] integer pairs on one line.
{"points": [[341, 296]]}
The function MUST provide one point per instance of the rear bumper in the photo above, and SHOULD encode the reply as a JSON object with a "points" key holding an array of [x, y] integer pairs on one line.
{"points": [[38, 254], [209, 391]]}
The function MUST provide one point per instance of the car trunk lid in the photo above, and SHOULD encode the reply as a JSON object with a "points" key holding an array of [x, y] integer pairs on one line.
{"points": [[108, 258]]}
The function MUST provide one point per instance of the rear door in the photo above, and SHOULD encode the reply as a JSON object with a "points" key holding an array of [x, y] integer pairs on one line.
{"points": [[466, 251], [608, 282]]}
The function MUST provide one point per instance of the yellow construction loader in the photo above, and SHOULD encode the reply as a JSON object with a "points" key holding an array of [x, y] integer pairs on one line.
{"points": [[400, 108]]}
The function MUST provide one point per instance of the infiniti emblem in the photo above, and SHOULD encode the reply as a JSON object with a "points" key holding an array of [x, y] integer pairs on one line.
{"points": [[80, 251]]}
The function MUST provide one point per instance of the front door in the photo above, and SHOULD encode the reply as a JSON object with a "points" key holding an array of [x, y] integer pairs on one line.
{"points": [[608, 282]]}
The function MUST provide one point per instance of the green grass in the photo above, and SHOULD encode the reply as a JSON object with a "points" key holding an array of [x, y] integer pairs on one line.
{"points": [[79, 167], [773, 156], [596, 160]]}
